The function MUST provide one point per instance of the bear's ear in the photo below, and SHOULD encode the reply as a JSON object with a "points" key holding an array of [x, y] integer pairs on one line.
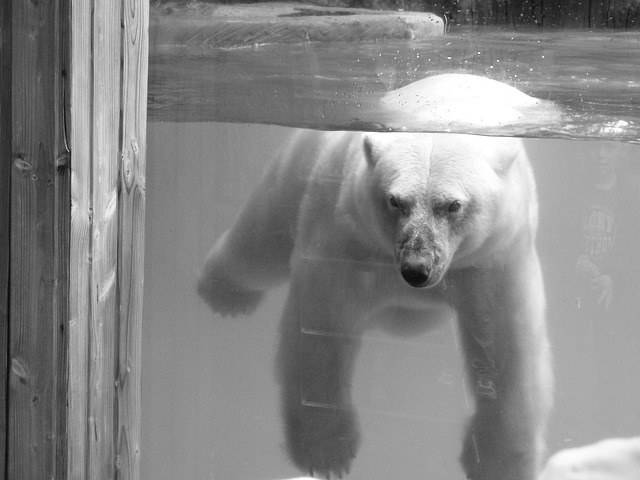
{"points": [[503, 156], [369, 154]]}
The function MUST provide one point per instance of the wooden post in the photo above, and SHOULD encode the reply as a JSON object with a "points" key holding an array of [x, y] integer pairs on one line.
{"points": [[131, 235], [39, 243], [5, 168], [72, 159]]}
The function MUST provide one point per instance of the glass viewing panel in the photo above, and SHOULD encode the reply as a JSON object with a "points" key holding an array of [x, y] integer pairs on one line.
{"points": [[388, 218]]}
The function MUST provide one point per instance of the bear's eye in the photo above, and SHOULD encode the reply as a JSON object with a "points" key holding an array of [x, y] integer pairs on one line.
{"points": [[455, 206], [394, 202]]}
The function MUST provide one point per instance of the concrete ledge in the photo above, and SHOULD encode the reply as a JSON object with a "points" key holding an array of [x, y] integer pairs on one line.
{"points": [[199, 26]]}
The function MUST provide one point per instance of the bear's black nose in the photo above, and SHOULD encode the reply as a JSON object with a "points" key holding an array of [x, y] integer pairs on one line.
{"points": [[416, 277]]}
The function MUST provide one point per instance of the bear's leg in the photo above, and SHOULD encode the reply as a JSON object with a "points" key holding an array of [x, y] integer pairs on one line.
{"points": [[221, 286], [254, 254], [508, 363], [319, 341]]}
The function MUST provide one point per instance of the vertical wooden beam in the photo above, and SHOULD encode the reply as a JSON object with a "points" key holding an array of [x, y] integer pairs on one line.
{"points": [[107, 50], [5, 195], [108, 137], [80, 131], [73, 79], [131, 235], [38, 293]]}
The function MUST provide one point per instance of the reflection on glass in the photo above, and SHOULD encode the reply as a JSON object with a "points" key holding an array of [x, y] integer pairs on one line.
{"points": [[216, 401]]}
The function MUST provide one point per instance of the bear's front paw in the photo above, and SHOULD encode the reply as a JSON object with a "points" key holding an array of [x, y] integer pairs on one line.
{"points": [[227, 298], [488, 458], [324, 441]]}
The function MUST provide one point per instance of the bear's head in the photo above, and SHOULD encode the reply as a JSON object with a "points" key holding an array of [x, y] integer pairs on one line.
{"points": [[440, 201]]}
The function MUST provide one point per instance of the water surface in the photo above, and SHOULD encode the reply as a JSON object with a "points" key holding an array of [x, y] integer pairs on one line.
{"points": [[593, 77]]}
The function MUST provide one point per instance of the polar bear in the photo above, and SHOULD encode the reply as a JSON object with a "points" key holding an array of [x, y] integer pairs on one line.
{"points": [[363, 223]]}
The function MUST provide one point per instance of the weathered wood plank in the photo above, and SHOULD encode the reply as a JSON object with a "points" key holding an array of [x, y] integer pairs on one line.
{"points": [[106, 104], [5, 163], [73, 221], [39, 252], [131, 236], [80, 130], [62, 235]]}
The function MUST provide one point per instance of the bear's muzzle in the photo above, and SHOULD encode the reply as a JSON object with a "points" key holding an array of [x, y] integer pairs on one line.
{"points": [[416, 274], [420, 268], [420, 256]]}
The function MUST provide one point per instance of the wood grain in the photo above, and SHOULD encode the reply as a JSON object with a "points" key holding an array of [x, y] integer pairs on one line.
{"points": [[72, 146], [105, 155], [5, 169], [109, 128], [80, 129], [131, 236], [38, 290]]}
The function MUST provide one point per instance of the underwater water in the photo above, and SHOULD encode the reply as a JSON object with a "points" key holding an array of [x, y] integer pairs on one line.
{"points": [[217, 116], [211, 405]]}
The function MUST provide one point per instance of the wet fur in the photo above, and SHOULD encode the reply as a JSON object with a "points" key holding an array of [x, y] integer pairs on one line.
{"points": [[322, 219]]}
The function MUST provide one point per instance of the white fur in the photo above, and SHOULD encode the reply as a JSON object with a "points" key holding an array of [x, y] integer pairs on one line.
{"points": [[353, 220], [470, 100], [610, 459]]}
